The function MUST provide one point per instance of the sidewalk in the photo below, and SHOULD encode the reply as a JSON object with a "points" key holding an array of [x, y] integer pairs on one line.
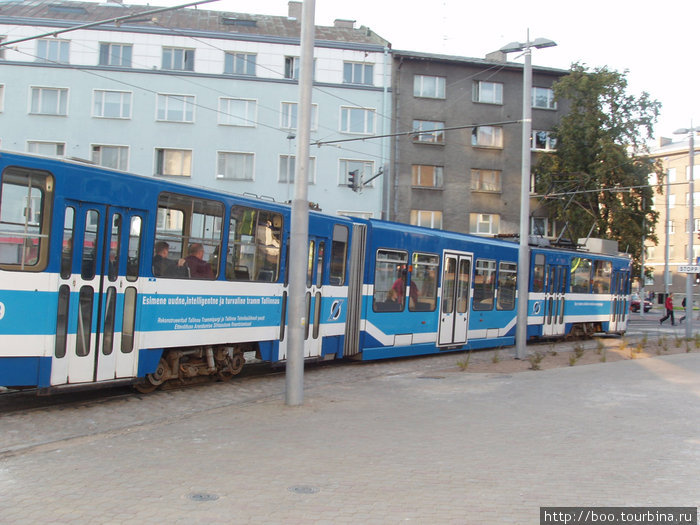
{"points": [[407, 441]]}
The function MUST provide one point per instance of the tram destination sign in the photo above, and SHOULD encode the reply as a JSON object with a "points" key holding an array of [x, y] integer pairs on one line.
{"points": [[689, 269]]}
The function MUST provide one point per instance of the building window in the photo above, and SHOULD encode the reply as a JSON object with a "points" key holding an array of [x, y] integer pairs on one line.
{"points": [[671, 201], [115, 54], [288, 116], [487, 92], [364, 169], [696, 171], [484, 223], [429, 132], [288, 165], [49, 101], [239, 63], [543, 98], [543, 141], [487, 137], [358, 73], [48, 149], [540, 226], [486, 180], [426, 176], [428, 87], [174, 162], [696, 199], [357, 120], [235, 166], [427, 219], [53, 51], [178, 59], [111, 104], [237, 112], [115, 157], [291, 67], [175, 108]]}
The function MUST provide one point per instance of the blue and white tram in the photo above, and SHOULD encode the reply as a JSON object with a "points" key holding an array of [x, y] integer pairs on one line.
{"points": [[578, 293], [109, 278]]}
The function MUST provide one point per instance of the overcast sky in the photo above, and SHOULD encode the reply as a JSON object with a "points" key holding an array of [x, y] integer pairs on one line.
{"points": [[658, 47]]}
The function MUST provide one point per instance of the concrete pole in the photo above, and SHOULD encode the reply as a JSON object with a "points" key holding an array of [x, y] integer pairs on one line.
{"points": [[690, 277], [524, 249], [299, 233]]}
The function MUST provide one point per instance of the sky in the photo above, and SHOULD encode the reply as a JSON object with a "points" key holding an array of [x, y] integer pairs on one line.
{"points": [[658, 47]]}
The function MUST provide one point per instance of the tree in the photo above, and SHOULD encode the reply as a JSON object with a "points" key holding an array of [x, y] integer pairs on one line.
{"points": [[597, 180]]}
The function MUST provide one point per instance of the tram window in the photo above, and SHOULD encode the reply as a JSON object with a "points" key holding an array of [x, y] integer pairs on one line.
{"points": [[254, 245], [128, 320], [114, 247], [339, 251], [484, 284], [90, 240], [538, 273], [62, 321], [424, 274], [110, 306], [84, 330], [580, 275], [134, 249], [67, 245], [507, 282], [390, 281], [602, 274], [26, 197], [191, 228], [320, 256], [310, 264]]}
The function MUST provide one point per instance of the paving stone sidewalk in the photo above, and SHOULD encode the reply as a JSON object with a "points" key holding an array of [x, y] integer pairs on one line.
{"points": [[394, 442]]}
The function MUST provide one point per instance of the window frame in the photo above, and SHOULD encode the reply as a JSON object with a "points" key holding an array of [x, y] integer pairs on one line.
{"points": [[106, 52], [161, 161], [124, 115], [550, 143], [186, 60], [476, 219], [249, 160], [231, 58], [122, 153], [435, 218], [478, 92], [290, 161], [61, 51], [436, 136], [366, 168], [537, 92], [417, 175], [439, 87], [62, 100], [478, 184], [226, 117], [363, 70], [369, 120], [479, 134], [163, 112], [289, 115]]}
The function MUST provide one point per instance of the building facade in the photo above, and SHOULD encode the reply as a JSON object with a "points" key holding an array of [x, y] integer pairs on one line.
{"points": [[208, 98], [457, 155], [671, 251]]}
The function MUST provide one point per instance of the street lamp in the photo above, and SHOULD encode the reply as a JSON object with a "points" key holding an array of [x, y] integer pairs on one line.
{"points": [[690, 277], [523, 249]]}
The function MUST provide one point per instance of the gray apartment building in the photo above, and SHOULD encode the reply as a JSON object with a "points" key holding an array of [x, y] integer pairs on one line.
{"points": [[457, 157]]}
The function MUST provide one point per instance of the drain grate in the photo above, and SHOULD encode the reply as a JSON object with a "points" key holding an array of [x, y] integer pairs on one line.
{"points": [[303, 489], [202, 496]]}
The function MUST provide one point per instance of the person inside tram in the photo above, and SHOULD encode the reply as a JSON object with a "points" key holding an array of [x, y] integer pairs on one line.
{"points": [[398, 290], [199, 268], [166, 267]]}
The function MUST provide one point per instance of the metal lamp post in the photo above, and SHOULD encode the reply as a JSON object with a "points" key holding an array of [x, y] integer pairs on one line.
{"points": [[690, 277], [523, 249]]}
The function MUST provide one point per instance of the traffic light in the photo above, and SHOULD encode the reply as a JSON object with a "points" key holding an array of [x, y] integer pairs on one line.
{"points": [[354, 180]]}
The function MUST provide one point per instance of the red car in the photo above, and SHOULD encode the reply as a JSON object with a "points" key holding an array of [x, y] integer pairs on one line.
{"points": [[634, 304]]}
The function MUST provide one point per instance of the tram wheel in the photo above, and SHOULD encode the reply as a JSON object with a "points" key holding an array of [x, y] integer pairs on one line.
{"points": [[234, 366], [154, 380]]}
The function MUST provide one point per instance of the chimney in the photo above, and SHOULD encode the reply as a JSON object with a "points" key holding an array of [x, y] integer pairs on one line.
{"points": [[664, 141], [497, 56], [346, 24], [294, 10]]}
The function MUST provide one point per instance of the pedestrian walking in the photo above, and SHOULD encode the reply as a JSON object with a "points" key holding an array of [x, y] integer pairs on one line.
{"points": [[669, 310], [680, 321]]}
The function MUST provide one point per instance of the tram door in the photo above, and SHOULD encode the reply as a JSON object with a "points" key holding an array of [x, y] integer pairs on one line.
{"points": [[618, 302], [95, 337], [454, 304], [313, 300], [555, 288]]}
